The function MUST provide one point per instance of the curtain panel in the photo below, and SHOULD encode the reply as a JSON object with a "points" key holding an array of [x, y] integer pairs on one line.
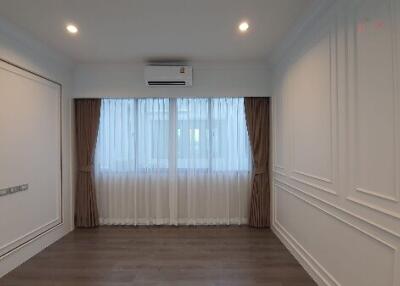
{"points": [[173, 161], [87, 115], [257, 119]]}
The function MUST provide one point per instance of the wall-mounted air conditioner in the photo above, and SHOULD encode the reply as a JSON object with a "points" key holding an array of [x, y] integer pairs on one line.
{"points": [[168, 75]]}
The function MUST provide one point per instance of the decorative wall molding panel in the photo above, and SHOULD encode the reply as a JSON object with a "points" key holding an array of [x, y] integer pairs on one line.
{"points": [[311, 112], [35, 131], [374, 104], [336, 116], [385, 252]]}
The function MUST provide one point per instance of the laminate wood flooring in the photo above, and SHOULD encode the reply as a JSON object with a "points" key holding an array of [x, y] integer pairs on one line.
{"points": [[149, 256]]}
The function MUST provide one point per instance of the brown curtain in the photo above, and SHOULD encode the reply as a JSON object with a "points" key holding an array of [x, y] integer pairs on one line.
{"points": [[257, 120], [87, 117]]}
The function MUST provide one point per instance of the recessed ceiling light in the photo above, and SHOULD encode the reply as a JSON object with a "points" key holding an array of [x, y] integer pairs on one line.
{"points": [[243, 27], [72, 29]]}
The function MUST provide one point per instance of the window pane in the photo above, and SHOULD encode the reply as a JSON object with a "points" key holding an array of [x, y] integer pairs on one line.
{"points": [[193, 150], [230, 145], [115, 141], [211, 134], [153, 133], [133, 134]]}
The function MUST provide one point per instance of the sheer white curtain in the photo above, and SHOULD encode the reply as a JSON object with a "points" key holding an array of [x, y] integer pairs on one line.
{"points": [[173, 161]]}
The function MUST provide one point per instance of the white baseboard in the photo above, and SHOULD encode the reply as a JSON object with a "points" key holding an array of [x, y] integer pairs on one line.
{"points": [[303, 258], [27, 251]]}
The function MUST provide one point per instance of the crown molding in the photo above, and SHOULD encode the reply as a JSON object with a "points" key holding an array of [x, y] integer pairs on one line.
{"points": [[304, 24]]}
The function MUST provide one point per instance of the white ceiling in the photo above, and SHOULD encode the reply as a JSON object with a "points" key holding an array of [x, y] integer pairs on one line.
{"points": [[141, 30]]}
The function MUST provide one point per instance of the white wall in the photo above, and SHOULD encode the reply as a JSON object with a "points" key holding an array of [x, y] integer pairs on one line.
{"points": [[336, 170], [21, 49], [209, 80]]}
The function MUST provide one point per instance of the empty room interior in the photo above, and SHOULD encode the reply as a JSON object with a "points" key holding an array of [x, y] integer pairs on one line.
{"points": [[200, 142]]}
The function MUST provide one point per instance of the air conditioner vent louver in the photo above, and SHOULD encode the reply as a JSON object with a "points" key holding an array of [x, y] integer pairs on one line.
{"points": [[166, 83], [168, 76]]}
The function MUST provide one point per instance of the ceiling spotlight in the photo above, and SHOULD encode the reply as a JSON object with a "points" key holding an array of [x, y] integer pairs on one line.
{"points": [[243, 27], [72, 29]]}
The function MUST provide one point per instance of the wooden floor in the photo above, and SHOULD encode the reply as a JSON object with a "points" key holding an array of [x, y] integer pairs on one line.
{"points": [[121, 256]]}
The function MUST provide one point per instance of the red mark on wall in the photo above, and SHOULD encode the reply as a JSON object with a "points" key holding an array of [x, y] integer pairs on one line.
{"points": [[361, 27], [379, 24]]}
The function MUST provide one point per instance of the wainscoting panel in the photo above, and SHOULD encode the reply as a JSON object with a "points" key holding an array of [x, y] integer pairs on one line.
{"points": [[373, 101], [350, 250], [337, 206], [314, 113], [279, 134]]}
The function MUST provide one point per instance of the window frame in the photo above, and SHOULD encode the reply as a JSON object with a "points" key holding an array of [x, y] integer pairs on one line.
{"points": [[172, 156]]}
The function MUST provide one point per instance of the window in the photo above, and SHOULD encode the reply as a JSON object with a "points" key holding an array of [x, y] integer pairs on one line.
{"points": [[212, 134], [160, 134]]}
